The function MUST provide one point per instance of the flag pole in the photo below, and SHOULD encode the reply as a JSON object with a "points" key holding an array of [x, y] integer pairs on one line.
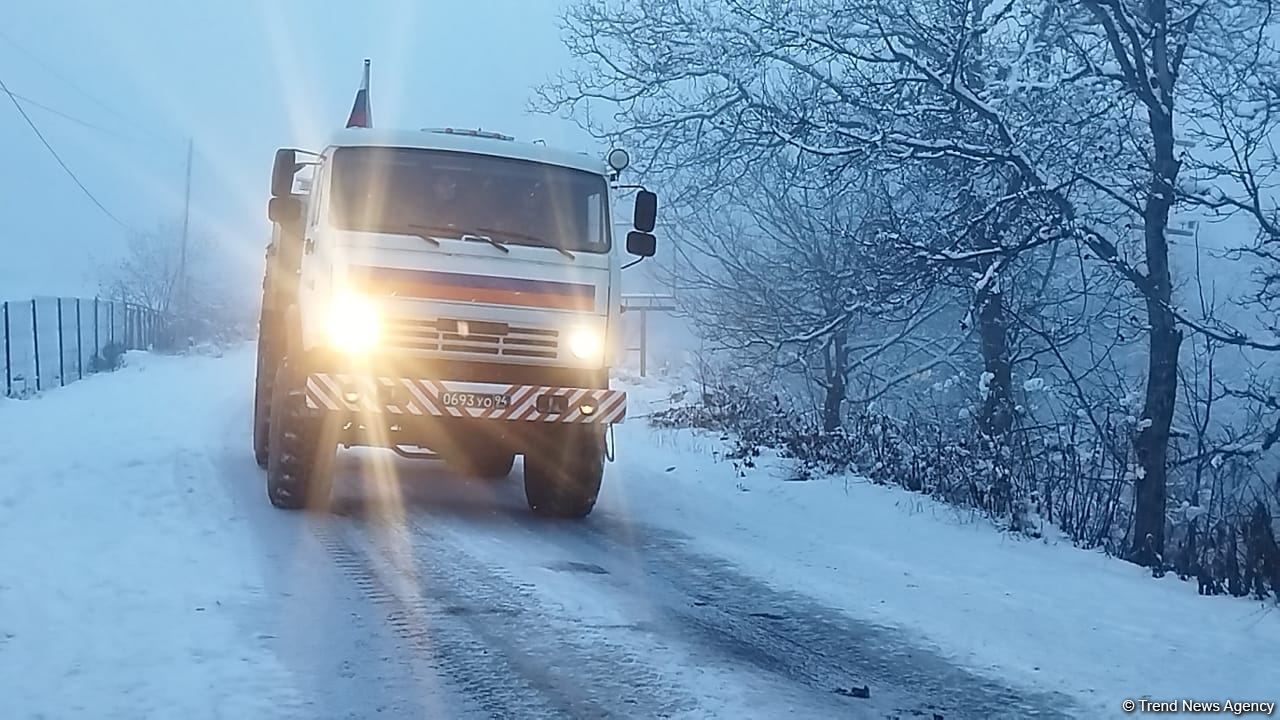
{"points": [[361, 110], [368, 101]]}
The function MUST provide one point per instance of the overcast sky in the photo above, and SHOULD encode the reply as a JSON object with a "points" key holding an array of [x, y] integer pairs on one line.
{"points": [[125, 83]]}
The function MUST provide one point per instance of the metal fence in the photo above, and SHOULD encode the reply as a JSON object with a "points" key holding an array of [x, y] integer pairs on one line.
{"points": [[52, 341]]}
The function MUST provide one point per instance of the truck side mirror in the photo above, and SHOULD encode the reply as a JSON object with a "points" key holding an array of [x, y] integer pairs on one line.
{"points": [[284, 210], [282, 172], [641, 244], [646, 213]]}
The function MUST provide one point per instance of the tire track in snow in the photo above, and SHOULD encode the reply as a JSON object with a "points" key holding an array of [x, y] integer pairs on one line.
{"points": [[788, 634], [337, 645], [489, 634], [430, 634]]}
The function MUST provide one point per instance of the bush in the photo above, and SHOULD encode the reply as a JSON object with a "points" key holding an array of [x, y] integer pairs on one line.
{"points": [[111, 357], [874, 444], [747, 422], [1058, 475]]}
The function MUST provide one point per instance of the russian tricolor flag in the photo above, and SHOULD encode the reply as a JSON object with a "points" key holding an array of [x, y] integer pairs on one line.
{"points": [[361, 115]]}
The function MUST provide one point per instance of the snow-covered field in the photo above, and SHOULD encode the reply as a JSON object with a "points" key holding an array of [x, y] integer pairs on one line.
{"points": [[128, 567]]}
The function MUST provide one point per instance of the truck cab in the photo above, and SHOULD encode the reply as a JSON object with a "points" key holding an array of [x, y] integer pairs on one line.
{"points": [[443, 293]]}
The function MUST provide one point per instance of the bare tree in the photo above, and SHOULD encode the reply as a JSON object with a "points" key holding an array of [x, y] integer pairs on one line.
{"points": [[213, 304], [147, 275], [1072, 105], [802, 271]]}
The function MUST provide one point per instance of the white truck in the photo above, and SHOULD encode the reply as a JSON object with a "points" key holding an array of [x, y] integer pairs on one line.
{"points": [[443, 293]]}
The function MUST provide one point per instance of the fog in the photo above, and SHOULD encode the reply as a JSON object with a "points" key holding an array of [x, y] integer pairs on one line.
{"points": [[119, 90]]}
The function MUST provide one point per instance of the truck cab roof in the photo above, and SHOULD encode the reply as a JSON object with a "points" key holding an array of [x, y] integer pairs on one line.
{"points": [[467, 140]]}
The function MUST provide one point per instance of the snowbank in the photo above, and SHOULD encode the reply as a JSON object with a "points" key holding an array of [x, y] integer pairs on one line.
{"points": [[1036, 612], [124, 566]]}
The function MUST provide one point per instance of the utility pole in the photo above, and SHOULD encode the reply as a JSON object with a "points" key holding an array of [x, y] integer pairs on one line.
{"points": [[186, 223]]}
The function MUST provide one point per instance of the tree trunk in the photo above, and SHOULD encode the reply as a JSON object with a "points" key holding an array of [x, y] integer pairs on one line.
{"points": [[1153, 439], [1164, 336], [837, 369], [996, 416]]}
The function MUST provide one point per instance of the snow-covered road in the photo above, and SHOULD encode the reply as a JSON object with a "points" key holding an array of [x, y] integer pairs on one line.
{"points": [[144, 575], [613, 618], [507, 615]]}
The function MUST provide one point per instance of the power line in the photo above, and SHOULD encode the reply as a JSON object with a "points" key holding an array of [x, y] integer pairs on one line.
{"points": [[48, 67], [56, 156], [72, 118], [8, 39]]}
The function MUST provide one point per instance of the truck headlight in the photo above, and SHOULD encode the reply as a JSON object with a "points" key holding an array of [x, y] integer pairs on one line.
{"points": [[355, 325], [586, 344]]}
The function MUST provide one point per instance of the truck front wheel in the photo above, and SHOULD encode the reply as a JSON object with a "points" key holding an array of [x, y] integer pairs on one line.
{"points": [[562, 477], [302, 447]]}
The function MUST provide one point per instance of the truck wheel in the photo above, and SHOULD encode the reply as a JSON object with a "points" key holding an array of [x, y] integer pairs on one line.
{"points": [[302, 447], [562, 478], [262, 385], [492, 464]]}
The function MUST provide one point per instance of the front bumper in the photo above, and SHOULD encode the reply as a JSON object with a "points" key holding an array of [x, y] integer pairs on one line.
{"points": [[384, 395]]}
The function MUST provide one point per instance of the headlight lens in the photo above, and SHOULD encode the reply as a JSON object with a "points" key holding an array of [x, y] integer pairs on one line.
{"points": [[355, 325], [586, 344]]}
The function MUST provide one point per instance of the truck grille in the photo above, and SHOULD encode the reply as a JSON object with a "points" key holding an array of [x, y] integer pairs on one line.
{"points": [[516, 342]]}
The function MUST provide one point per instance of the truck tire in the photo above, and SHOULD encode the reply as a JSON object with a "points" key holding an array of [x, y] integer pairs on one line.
{"points": [[562, 478], [302, 448], [262, 385]]}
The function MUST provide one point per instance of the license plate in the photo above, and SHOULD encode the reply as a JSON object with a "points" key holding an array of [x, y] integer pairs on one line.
{"points": [[484, 401]]}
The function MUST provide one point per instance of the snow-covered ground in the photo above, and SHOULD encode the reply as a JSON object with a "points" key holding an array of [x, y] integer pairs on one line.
{"points": [[1037, 611], [136, 566], [123, 568]]}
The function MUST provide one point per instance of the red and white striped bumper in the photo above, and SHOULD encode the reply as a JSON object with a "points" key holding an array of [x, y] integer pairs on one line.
{"points": [[409, 396]]}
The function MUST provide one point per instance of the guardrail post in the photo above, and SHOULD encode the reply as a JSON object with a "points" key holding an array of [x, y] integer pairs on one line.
{"points": [[79, 344], [35, 340], [97, 346], [8, 356], [61, 351]]}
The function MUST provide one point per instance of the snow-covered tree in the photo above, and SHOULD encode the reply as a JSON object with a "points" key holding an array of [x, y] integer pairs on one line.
{"points": [[1069, 110]]}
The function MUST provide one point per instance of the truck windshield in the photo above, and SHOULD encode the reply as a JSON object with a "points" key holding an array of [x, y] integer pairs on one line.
{"points": [[514, 202]]}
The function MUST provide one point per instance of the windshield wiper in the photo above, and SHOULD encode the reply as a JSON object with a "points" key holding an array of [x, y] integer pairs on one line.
{"points": [[537, 241], [452, 232], [432, 229], [486, 238]]}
